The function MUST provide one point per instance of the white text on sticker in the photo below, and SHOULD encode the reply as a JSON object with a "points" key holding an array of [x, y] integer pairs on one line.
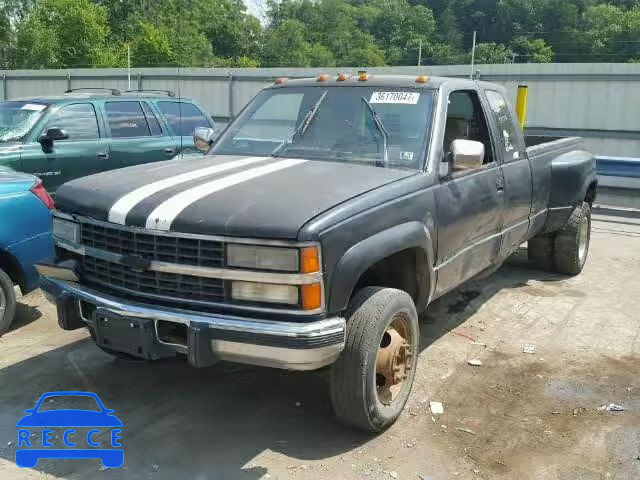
{"points": [[410, 98]]}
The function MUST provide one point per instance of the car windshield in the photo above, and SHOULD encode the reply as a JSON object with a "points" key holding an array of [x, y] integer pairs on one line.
{"points": [[69, 402], [343, 124], [17, 119]]}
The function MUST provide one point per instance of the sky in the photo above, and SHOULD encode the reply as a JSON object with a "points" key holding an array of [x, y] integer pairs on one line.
{"points": [[257, 8]]}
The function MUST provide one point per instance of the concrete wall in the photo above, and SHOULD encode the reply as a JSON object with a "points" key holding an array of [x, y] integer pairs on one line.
{"points": [[597, 101]]}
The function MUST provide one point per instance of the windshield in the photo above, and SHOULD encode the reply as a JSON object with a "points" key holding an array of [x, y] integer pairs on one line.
{"points": [[17, 119], [69, 402], [380, 126]]}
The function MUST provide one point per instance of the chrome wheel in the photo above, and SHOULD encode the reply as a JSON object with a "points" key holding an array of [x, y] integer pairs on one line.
{"points": [[393, 361], [583, 245]]}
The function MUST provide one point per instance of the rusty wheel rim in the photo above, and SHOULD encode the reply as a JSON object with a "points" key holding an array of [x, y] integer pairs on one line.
{"points": [[393, 360]]}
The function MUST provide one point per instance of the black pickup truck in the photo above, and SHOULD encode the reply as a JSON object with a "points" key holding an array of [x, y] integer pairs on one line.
{"points": [[321, 224]]}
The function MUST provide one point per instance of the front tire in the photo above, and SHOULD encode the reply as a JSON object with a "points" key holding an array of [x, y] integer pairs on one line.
{"points": [[7, 302], [372, 379]]}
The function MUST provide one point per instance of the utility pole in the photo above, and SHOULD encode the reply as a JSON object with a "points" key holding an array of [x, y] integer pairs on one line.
{"points": [[420, 54], [473, 54], [129, 65]]}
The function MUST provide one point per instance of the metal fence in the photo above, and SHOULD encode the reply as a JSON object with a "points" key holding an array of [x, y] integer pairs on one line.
{"points": [[596, 101]]}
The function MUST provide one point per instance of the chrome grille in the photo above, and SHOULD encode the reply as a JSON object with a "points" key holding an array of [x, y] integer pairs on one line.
{"points": [[176, 286], [160, 248]]}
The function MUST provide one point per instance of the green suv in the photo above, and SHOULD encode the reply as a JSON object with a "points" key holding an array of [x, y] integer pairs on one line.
{"points": [[86, 131]]}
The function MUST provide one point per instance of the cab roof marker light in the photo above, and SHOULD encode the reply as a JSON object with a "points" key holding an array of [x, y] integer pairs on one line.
{"points": [[342, 77], [363, 76], [280, 80], [322, 78], [422, 79]]}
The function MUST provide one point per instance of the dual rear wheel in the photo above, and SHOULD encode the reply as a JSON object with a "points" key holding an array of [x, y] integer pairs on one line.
{"points": [[372, 379], [566, 250]]}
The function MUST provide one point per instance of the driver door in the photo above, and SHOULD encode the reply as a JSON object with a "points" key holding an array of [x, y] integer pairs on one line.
{"points": [[470, 203], [85, 152]]}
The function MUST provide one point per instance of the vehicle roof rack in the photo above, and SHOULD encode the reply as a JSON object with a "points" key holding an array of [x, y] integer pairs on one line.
{"points": [[168, 93], [108, 91]]}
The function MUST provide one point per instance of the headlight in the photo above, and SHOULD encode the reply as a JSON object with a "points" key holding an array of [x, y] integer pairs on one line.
{"points": [[263, 258], [264, 292], [66, 230]]}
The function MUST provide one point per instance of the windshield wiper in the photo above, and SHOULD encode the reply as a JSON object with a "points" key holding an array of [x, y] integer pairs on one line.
{"points": [[382, 130], [302, 128]]}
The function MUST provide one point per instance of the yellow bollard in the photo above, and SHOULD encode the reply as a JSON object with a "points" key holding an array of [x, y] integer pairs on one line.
{"points": [[521, 104]]}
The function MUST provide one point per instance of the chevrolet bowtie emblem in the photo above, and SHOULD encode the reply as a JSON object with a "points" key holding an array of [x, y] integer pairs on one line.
{"points": [[135, 263]]}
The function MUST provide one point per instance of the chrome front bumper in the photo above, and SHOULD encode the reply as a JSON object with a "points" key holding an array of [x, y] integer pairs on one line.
{"points": [[208, 337]]}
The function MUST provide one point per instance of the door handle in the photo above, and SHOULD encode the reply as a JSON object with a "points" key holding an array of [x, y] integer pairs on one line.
{"points": [[169, 151], [500, 184], [103, 156]]}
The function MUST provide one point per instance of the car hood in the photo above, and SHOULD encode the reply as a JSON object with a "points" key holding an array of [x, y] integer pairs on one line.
{"points": [[222, 195], [69, 418]]}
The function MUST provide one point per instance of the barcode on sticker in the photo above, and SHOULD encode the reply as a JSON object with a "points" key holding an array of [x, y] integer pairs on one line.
{"points": [[410, 98]]}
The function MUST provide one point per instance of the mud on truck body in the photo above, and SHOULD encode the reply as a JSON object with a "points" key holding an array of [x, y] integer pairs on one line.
{"points": [[316, 230]]}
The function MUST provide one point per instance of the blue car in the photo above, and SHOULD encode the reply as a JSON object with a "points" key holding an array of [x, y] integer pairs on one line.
{"points": [[28, 452], [25, 237]]}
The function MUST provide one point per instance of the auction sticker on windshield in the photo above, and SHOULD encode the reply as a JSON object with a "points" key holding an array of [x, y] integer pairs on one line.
{"points": [[410, 98], [33, 106]]}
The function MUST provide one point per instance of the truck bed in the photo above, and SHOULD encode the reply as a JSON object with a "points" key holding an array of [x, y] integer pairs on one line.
{"points": [[538, 144], [554, 182]]}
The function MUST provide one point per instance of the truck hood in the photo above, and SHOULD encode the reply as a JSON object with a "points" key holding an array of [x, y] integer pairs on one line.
{"points": [[259, 197]]}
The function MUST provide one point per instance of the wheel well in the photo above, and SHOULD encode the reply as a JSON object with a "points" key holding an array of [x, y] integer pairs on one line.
{"points": [[591, 193], [11, 267], [405, 270]]}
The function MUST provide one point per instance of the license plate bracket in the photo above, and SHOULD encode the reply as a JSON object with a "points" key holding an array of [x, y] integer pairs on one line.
{"points": [[131, 335]]}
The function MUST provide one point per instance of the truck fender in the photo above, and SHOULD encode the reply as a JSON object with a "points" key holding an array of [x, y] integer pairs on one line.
{"points": [[361, 256], [573, 174]]}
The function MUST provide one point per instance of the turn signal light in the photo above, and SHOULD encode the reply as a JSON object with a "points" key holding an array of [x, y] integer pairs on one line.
{"points": [[311, 296], [39, 191], [281, 80], [309, 260], [322, 78], [422, 79]]}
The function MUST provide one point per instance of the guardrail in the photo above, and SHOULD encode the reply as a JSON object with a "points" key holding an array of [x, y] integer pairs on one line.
{"points": [[618, 181]]}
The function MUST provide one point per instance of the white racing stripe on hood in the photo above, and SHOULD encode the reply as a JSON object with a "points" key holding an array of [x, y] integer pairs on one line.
{"points": [[164, 215], [119, 211]]}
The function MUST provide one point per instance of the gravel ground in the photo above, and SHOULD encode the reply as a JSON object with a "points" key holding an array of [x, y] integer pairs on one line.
{"points": [[517, 416]]}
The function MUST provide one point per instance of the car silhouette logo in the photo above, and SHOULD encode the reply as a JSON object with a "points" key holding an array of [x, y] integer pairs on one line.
{"points": [[28, 452]]}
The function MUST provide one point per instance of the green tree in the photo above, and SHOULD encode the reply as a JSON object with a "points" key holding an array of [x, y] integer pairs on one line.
{"points": [[531, 50], [609, 33], [492, 52], [286, 46], [401, 28], [151, 45], [62, 34]]}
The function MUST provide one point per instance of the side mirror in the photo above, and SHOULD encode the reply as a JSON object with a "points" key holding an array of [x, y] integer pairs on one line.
{"points": [[203, 138], [54, 133], [467, 154], [51, 135]]}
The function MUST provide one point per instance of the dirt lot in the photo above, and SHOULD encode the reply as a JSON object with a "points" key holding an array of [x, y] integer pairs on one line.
{"points": [[518, 416]]}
